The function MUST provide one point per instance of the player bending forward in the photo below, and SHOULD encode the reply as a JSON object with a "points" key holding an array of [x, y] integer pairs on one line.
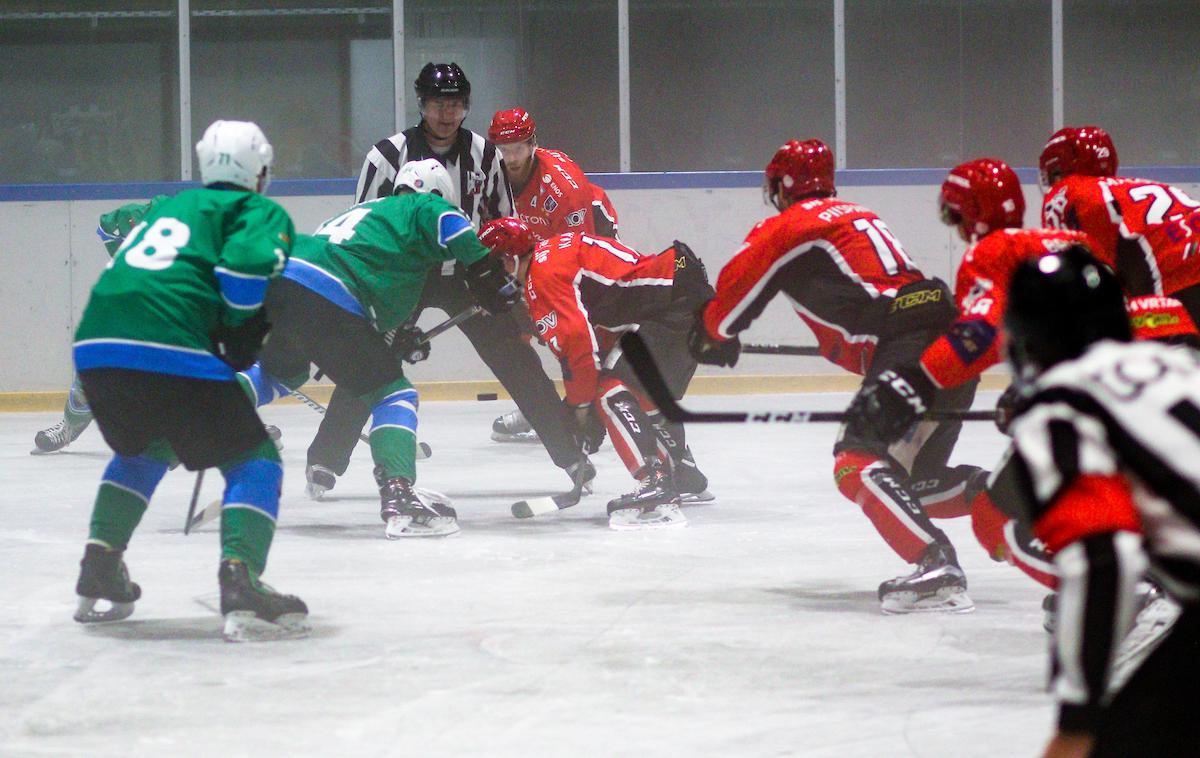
{"points": [[1107, 446], [359, 275], [850, 280], [553, 196], [582, 293], [177, 311]]}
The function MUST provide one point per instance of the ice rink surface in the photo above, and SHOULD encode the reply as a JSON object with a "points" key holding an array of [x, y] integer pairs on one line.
{"points": [[755, 631]]}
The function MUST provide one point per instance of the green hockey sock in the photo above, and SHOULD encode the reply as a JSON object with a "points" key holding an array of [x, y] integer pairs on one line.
{"points": [[396, 451], [246, 535], [115, 515]]}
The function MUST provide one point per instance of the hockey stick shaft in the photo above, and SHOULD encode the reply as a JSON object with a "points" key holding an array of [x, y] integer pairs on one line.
{"points": [[423, 450], [191, 514], [770, 349], [647, 370]]}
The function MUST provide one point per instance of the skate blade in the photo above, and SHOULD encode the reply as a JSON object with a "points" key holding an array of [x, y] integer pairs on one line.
{"points": [[945, 600], [519, 437], [634, 519], [39, 451], [399, 527], [244, 626], [315, 491], [86, 613], [704, 496]]}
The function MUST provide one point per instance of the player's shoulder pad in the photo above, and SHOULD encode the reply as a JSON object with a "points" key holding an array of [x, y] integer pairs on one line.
{"points": [[451, 224]]}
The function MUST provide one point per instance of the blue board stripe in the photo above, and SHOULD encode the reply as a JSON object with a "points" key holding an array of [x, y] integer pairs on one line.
{"points": [[884, 177]]}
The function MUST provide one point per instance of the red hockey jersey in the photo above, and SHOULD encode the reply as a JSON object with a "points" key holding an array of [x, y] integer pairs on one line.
{"points": [[836, 262], [582, 291], [558, 198], [972, 343]]}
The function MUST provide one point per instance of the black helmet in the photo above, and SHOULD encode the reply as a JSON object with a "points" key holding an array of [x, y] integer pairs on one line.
{"points": [[445, 79], [1060, 304]]}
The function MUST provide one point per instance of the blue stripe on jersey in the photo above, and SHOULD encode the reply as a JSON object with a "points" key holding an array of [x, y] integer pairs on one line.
{"points": [[267, 389], [254, 484], [397, 410], [324, 284], [105, 237], [241, 291], [146, 356], [450, 225], [135, 473]]}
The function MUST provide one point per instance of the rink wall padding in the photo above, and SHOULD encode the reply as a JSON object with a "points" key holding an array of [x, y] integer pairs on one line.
{"points": [[471, 390], [52, 256]]}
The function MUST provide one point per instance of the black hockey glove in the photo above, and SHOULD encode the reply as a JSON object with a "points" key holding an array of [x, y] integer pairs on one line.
{"points": [[709, 351], [1011, 404], [588, 428], [239, 345], [493, 288], [409, 345], [888, 404]]}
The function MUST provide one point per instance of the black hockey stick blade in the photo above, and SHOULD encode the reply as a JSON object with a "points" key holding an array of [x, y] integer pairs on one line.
{"points": [[191, 514], [551, 503], [771, 349], [652, 380]]}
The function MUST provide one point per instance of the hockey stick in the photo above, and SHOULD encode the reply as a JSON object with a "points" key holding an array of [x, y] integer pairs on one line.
{"points": [[423, 449], [647, 371], [191, 514], [772, 349], [552, 503]]}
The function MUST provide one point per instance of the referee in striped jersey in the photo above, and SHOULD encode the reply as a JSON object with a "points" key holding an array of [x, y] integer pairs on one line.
{"points": [[444, 96]]}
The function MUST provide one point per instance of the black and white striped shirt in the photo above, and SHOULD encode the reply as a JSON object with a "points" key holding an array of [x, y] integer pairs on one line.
{"points": [[1131, 410], [473, 162]]}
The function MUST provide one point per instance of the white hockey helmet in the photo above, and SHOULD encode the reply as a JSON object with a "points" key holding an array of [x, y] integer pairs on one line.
{"points": [[428, 176], [236, 152]]}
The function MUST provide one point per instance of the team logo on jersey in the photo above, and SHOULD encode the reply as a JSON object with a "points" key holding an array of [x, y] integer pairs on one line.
{"points": [[550, 205], [475, 180], [547, 322], [575, 218]]}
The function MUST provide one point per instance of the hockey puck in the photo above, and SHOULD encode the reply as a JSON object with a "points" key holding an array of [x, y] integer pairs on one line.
{"points": [[487, 396]]}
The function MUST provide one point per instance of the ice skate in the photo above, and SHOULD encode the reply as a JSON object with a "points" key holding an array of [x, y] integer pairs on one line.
{"points": [[253, 611], [655, 504], [1157, 614], [58, 436], [937, 586], [103, 576], [407, 515], [320, 480], [690, 482], [276, 436], [1050, 612], [513, 427]]}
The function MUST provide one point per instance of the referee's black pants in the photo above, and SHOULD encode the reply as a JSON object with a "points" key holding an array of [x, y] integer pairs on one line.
{"points": [[498, 341]]}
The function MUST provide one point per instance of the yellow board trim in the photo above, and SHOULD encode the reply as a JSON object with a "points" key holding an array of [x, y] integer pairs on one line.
{"points": [[736, 384]]}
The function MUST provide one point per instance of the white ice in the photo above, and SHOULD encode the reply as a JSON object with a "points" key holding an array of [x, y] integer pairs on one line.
{"points": [[754, 631]]}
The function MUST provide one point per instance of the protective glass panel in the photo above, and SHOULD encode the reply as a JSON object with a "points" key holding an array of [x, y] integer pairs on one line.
{"points": [[1132, 68], [719, 86], [935, 83], [316, 75], [558, 60], [88, 91]]}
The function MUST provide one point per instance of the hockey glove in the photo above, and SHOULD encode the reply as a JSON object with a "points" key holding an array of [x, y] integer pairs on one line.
{"points": [[409, 343], [709, 351], [888, 404], [1012, 403], [238, 345], [493, 288], [588, 428]]}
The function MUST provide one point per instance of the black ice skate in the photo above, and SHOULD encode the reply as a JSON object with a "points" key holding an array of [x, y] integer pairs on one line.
{"points": [[103, 576], [690, 482], [513, 427], [320, 480], [938, 585], [407, 515], [58, 436], [254, 611], [655, 504]]}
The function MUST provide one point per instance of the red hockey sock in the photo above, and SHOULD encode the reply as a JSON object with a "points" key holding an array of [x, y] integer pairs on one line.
{"points": [[868, 481]]}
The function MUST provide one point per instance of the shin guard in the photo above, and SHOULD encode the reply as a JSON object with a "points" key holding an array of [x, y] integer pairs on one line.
{"points": [[125, 491], [250, 507], [629, 428]]}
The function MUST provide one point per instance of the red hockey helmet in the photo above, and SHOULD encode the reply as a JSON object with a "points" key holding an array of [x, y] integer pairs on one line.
{"points": [[1084, 150], [981, 196], [507, 236], [515, 125], [799, 170]]}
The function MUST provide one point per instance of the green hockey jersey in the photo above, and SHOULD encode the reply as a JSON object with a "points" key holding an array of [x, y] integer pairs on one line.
{"points": [[372, 260], [116, 225], [199, 258]]}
